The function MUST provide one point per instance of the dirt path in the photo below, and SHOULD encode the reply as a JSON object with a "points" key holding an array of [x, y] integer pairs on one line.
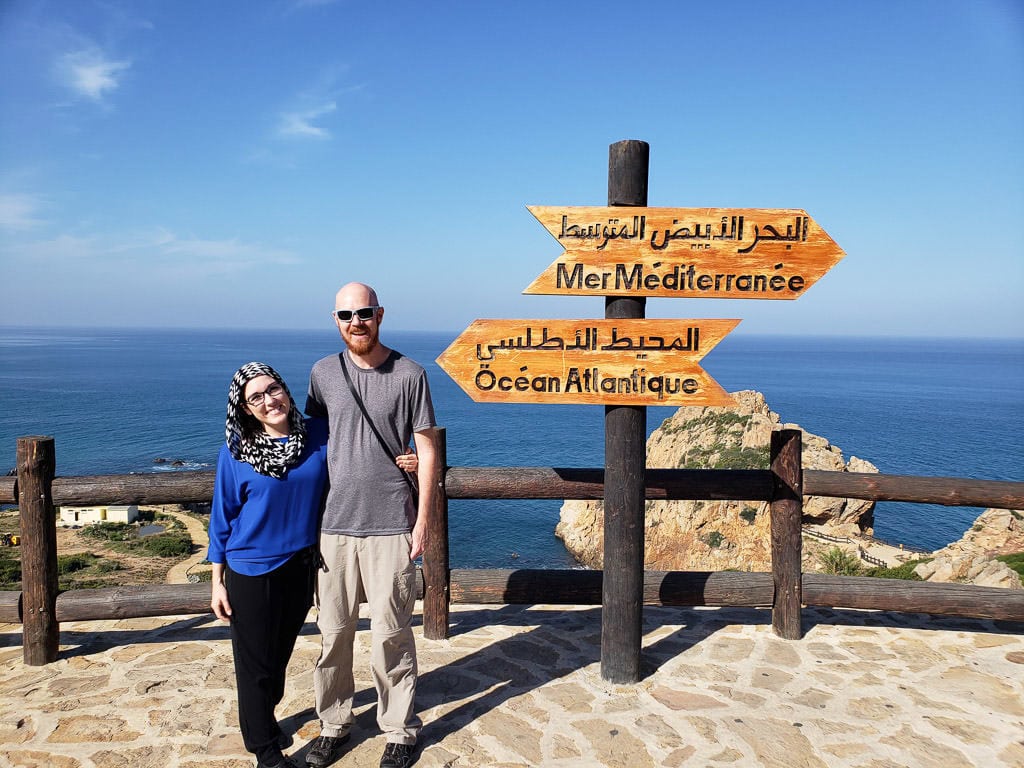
{"points": [[200, 541]]}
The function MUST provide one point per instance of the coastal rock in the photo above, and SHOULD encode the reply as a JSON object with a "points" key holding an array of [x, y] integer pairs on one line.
{"points": [[971, 559], [718, 535]]}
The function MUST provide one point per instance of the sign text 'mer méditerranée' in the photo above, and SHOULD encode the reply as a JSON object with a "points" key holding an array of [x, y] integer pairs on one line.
{"points": [[681, 252]]}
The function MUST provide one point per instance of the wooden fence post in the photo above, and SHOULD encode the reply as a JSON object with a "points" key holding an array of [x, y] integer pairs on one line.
{"points": [[436, 566], [41, 631], [625, 457], [786, 518]]}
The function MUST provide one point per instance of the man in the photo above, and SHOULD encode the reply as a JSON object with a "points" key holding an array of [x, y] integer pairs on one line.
{"points": [[372, 530]]}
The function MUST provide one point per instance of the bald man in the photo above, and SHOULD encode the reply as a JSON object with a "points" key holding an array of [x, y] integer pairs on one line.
{"points": [[373, 525]]}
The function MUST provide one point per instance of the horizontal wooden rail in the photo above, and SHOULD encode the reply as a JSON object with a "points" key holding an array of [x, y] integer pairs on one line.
{"points": [[913, 596], [10, 607], [947, 491], [571, 483], [583, 587]]}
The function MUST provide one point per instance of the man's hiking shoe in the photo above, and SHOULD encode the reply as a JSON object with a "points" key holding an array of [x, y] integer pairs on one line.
{"points": [[396, 756], [325, 750]]}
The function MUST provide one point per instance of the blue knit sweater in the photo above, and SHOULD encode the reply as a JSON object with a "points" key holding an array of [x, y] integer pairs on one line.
{"points": [[258, 522]]}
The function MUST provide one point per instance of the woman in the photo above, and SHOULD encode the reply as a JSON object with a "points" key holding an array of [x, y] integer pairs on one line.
{"points": [[264, 528]]}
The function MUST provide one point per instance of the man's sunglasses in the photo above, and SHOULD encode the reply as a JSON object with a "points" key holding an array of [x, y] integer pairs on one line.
{"points": [[363, 313]]}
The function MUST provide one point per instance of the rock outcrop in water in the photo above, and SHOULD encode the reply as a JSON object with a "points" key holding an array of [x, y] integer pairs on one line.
{"points": [[718, 535], [971, 559]]}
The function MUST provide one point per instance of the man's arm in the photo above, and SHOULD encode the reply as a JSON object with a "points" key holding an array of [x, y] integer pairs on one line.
{"points": [[426, 449]]}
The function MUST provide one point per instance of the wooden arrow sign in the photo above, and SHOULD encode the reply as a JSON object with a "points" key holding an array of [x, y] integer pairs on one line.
{"points": [[612, 362], [693, 253]]}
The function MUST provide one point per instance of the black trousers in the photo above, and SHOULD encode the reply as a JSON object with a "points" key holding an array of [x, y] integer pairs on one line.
{"points": [[267, 612]]}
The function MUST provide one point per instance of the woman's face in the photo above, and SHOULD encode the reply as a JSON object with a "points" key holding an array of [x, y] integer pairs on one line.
{"points": [[267, 401]]}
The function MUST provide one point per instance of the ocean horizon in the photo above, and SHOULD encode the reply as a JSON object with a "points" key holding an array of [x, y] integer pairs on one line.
{"points": [[120, 400]]}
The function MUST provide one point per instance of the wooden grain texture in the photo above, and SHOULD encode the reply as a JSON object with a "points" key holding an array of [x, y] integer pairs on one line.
{"points": [[610, 361], [625, 461], [574, 483], [10, 607], [946, 491], [436, 568], [41, 631], [584, 587], [710, 253], [968, 600], [8, 490], [786, 510]]}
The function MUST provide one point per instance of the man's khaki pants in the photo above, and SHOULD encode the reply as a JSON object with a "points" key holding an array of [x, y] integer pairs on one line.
{"points": [[379, 567]]}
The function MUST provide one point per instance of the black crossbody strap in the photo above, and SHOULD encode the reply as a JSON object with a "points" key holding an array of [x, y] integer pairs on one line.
{"points": [[369, 421]]}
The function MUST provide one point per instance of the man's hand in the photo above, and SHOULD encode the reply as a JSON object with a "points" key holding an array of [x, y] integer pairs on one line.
{"points": [[419, 540]]}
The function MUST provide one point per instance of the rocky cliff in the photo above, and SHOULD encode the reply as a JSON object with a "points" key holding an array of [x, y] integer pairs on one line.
{"points": [[971, 559], [718, 535]]}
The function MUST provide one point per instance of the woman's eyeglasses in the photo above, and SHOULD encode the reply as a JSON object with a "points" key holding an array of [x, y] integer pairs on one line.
{"points": [[256, 398], [364, 314]]}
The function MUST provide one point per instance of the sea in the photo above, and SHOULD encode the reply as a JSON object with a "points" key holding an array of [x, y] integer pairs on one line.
{"points": [[142, 400]]}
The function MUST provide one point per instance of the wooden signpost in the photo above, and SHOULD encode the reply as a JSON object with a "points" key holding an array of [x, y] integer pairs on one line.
{"points": [[626, 252], [694, 253], [624, 362]]}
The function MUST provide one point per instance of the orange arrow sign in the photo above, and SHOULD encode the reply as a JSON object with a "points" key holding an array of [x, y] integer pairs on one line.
{"points": [[705, 253], [614, 362]]}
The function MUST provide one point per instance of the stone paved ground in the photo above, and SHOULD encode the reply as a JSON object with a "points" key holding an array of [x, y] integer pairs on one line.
{"points": [[521, 686]]}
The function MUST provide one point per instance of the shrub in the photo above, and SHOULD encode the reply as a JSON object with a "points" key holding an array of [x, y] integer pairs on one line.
{"points": [[749, 514], [840, 562], [111, 531], [1015, 561], [714, 539], [903, 571], [10, 571], [78, 561], [167, 545]]}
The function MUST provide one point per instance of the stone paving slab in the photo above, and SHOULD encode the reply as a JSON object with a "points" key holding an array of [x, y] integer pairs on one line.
{"points": [[521, 686]]}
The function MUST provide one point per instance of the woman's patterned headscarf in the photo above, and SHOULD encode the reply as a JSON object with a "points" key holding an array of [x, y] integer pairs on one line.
{"points": [[245, 435]]}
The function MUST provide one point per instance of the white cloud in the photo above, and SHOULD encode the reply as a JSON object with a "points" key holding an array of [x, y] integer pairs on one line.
{"points": [[300, 123], [18, 212], [161, 252], [91, 74]]}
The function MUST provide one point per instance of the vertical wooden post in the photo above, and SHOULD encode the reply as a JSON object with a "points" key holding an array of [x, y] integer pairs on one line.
{"points": [[625, 463], [786, 518], [436, 568], [41, 632]]}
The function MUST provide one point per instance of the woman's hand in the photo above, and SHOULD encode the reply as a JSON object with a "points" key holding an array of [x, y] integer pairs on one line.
{"points": [[408, 461], [219, 594]]}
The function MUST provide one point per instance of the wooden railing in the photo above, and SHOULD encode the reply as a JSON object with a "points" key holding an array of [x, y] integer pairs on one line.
{"points": [[40, 608]]}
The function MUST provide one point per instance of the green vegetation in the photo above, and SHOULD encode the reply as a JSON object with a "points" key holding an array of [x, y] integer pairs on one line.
{"points": [[840, 562], [1015, 561], [111, 531], [726, 457], [903, 571], [713, 539], [749, 513], [124, 537], [10, 572], [720, 420], [78, 561]]}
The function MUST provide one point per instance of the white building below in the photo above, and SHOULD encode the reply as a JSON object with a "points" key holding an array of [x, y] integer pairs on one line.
{"points": [[90, 515]]}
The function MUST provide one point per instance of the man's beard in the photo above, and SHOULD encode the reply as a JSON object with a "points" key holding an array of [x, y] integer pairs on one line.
{"points": [[361, 345]]}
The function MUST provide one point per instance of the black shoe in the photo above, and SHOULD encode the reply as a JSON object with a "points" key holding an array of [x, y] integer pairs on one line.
{"points": [[396, 756], [275, 760], [283, 740], [325, 750]]}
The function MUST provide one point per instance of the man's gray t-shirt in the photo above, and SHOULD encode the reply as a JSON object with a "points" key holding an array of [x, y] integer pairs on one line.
{"points": [[368, 495]]}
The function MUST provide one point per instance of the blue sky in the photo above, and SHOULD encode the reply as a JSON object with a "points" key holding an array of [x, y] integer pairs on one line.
{"points": [[230, 164]]}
